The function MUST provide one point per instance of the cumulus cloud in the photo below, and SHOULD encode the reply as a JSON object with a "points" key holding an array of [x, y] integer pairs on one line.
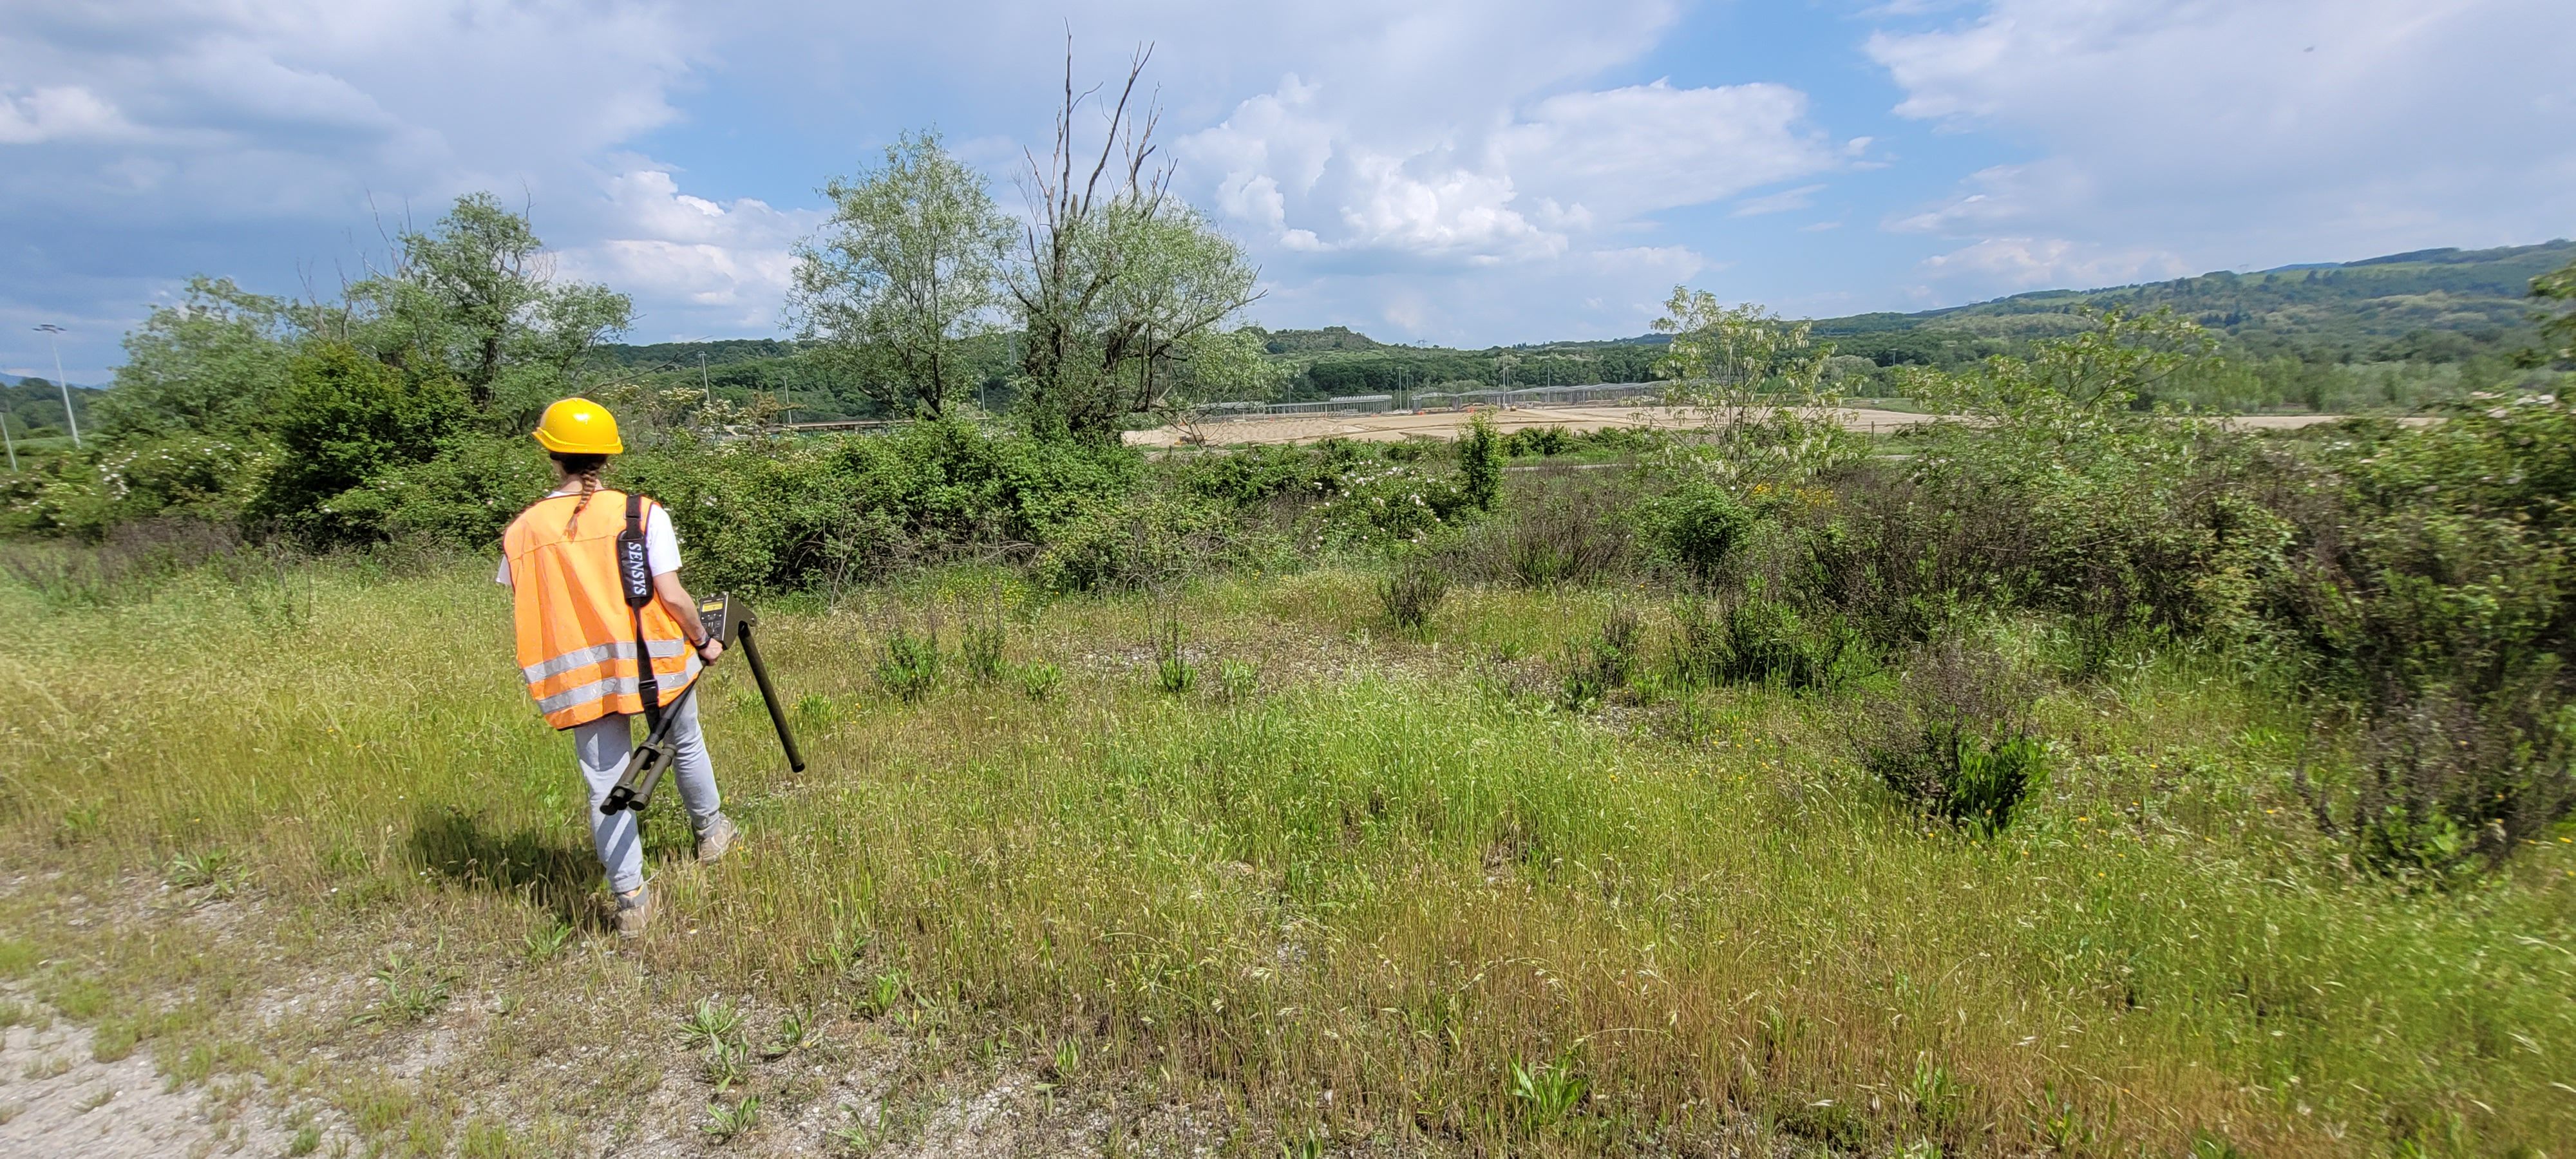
{"points": [[2206, 134], [664, 246], [1556, 186], [1518, 187]]}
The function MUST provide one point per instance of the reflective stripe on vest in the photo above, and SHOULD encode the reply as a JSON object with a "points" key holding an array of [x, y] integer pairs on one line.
{"points": [[576, 636], [621, 650], [602, 689]]}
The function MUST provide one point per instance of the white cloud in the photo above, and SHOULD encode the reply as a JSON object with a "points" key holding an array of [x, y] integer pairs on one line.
{"points": [[2023, 263], [1785, 201], [61, 112], [1497, 188], [2218, 133], [1635, 150], [663, 246]]}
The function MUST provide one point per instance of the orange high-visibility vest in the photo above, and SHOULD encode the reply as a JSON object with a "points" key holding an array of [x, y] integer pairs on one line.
{"points": [[576, 634]]}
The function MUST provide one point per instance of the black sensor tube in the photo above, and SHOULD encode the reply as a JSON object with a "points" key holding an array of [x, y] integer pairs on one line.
{"points": [[769, 697]]}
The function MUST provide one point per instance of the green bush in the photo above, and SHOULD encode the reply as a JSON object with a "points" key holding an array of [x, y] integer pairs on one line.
{"points": [[1544, 442], [1755, 640], [1250, 476], [182, 476], [1603, 664], [979, 647], [1698, 528], [2447, 783], [787, 514], [344, 419], [1480, 465], [1131, 541], [1569, 528], [466, 496], [1383, 503], [1956, 740], [2433, 581]]}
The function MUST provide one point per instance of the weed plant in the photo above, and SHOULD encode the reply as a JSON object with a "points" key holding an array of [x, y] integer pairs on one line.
{"points": [[1039, 679], [908, 667], [1411, 591], [1957, 740], [1173, 672], [979, 646]]}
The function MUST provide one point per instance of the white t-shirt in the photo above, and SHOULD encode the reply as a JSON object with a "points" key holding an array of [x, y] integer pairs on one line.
{"points": [[661, 544]]}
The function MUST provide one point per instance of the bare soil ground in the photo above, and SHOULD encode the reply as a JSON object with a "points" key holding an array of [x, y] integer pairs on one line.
{"points": [[1398, 426], [57, 1098]]}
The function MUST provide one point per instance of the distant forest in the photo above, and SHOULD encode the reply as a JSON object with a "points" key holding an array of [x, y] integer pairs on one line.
{"points": [[32, 408], [2392, 332]]}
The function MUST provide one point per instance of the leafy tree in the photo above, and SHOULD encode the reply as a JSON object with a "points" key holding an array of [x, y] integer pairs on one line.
{"points": [[473, 299], [1757, 384], [2558, 333], [344, 418], [909, 267], [1118, 278], [214, 364]]}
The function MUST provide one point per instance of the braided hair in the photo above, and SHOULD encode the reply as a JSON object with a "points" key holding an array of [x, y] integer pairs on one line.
{"points": [[584, 470]]}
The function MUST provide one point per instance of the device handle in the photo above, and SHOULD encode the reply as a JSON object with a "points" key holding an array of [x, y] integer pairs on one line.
{"points": [[769, 695]]}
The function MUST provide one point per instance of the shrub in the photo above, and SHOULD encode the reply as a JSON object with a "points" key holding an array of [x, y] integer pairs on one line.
{"points": [[344, 418], [1603, 664], [2446, 781], [1411, 591], [1753, 639], [1955, 741], [1131, 542], [466, 496], [1480, 464], [1250, 476], [908, 666], [979, 645], [1545, 442], [1561, 529], [1697, 528], [1383, 503], [773, 515]]}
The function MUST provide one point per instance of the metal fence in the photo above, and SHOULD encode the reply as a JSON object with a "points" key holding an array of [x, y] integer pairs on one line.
{"points": [[1613, 393]]}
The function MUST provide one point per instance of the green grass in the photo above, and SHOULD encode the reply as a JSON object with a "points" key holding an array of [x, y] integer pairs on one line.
{"points": [[1392, 869]]}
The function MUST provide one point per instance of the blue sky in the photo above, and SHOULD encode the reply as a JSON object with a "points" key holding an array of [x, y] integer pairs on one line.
{"points": [[1455, 172]]}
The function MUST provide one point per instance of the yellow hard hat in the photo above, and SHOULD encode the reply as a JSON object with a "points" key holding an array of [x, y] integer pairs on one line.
{"points": [[578, 426]]}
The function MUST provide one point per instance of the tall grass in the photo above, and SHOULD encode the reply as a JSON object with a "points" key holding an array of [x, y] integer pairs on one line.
{"points": [[1475, 917]]}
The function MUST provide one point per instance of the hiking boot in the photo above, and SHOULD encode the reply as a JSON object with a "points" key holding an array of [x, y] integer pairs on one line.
{"points": [[715, 839], [634, 912]]}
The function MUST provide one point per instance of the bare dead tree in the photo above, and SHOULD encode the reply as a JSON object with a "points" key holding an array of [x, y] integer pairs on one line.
{"points": [[1117, 273]]}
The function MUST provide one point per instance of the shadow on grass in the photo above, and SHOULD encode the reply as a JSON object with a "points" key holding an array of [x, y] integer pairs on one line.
{"points": [[552, 873]]}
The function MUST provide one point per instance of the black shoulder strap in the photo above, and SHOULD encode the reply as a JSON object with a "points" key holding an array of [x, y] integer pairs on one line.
{"points": [[635, 569]]}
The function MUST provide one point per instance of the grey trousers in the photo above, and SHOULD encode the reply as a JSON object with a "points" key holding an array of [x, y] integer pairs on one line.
{"points": [[601, 746]]}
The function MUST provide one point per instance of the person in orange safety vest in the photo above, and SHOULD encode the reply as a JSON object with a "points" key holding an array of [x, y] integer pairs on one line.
{"points": [[580, 642]]}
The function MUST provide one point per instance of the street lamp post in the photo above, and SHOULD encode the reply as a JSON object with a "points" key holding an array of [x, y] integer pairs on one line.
{"points": [[53, 335]]}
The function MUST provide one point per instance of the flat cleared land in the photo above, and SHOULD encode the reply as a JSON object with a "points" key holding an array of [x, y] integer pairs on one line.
{"points": [[1398, 426]]}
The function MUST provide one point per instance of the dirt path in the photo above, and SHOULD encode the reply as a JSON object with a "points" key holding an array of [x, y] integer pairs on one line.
{"points": [[56, 1098], [1396, 427]]}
